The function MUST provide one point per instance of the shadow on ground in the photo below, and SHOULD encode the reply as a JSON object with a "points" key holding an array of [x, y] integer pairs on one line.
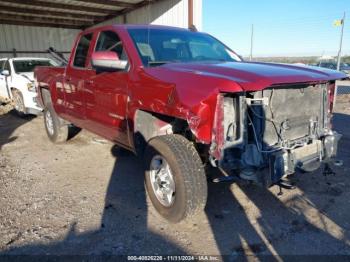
{"points": [[125, 205], [283, 225], [9, 122]]}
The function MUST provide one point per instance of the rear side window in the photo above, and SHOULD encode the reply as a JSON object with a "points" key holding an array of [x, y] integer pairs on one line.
{"points": [[110, 41], [82, 50]]}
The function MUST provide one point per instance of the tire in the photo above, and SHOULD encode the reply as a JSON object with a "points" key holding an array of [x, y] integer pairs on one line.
{"points": [[56, 130], [19, 103], [188, 186]]}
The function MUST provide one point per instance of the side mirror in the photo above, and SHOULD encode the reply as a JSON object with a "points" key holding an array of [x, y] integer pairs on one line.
{"points": [[107, 60], [5, 73]]}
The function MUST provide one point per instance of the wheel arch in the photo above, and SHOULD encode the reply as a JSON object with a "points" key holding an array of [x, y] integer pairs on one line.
{"points": [[147, 125], [45, 96]]}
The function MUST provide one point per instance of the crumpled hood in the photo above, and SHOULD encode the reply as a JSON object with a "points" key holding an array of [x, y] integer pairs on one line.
{"points": [[28, 75], [257, 76]]}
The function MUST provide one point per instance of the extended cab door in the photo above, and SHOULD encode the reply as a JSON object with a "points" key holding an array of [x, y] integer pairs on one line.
{"points": [[76, 74], [107, 93]]}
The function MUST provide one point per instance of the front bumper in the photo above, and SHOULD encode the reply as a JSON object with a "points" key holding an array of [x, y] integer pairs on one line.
{"points": [[307, 158], [33, 111], [31, 103]]}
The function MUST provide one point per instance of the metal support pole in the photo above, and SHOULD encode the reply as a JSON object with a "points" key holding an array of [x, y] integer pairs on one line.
{"points": [[190, 14], [251, 43], [341, 42]]}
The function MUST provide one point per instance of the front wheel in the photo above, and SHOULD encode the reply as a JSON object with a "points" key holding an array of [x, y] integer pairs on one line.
{"points": [[175, 178], [55, 129]]}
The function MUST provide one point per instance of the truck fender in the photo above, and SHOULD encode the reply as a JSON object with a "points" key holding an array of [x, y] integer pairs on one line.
{"points": [[148, 125], [46, 97]]}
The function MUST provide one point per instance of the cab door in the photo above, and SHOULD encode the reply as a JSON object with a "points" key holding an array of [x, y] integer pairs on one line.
{"points": [[106, 94], [73, 84]]}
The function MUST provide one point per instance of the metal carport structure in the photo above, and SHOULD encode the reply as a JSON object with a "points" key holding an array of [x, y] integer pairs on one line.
{"points": [[30, 27]]}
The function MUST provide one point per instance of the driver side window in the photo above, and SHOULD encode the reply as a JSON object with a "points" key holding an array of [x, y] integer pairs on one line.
{"points": [[110, 41]]}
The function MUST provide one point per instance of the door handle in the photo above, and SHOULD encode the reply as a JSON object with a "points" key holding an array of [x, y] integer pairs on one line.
{"points": [[90, 82]]}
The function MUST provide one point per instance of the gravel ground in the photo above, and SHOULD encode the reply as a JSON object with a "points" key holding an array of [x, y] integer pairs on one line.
{"points": [[87, 197]]}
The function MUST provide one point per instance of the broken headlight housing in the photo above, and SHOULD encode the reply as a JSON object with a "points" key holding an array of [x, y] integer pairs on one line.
{"points": [[31, 87]]}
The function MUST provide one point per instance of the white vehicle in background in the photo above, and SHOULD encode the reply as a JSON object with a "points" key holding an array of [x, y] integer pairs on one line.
{"points": [[17, 82]]}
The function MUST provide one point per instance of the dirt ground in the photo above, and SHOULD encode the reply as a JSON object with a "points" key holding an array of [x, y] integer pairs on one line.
{"points": [[87, 197]]}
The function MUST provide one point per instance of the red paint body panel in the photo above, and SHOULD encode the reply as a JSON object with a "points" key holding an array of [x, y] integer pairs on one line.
{"points": [[106, 103], [49, 76]]}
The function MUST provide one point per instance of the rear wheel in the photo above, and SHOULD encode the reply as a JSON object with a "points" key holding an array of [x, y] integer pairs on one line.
{"points": [[19, 103], [175, 178], [56, 130]]}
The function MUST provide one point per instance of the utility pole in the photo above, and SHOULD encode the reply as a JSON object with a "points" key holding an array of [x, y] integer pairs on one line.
{"points": [[251, 43], [341, 42]]}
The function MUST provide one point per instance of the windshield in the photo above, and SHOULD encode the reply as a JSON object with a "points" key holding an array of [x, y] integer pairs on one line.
{"points": [[158, 46], [25, 66]]}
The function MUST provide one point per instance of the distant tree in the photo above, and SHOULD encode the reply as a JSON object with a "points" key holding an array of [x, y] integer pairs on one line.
{"points": [[346, 59]]}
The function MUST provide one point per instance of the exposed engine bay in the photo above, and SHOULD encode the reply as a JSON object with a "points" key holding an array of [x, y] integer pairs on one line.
{"points": [[265, 135]]}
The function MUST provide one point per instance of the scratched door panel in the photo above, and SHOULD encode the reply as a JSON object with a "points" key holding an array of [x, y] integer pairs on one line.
{"points": [[106, 100]]}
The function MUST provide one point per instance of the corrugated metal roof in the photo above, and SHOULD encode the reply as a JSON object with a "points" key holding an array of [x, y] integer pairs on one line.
{"points": [[76, 14], [111, 6], [34, 41]]}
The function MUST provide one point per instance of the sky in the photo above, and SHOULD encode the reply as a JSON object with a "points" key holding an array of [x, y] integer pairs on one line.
{"points": [[281, 27]]}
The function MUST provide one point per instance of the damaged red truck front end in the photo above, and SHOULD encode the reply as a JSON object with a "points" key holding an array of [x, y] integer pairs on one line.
{"points": [[262, 121], [187, 100]]}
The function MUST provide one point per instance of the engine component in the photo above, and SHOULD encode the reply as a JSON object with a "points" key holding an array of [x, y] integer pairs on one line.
{"points": [[252, 156]]}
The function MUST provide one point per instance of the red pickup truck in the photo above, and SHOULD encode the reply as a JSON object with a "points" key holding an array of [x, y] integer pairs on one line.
{"points": [[185, 100]]}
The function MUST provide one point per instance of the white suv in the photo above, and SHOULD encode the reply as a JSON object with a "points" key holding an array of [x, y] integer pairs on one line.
{"points": [[17, 82]]}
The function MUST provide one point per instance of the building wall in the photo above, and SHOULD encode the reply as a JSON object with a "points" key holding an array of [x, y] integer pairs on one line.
{"points": [[165, 12], [29, 38], [169, 12]]}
